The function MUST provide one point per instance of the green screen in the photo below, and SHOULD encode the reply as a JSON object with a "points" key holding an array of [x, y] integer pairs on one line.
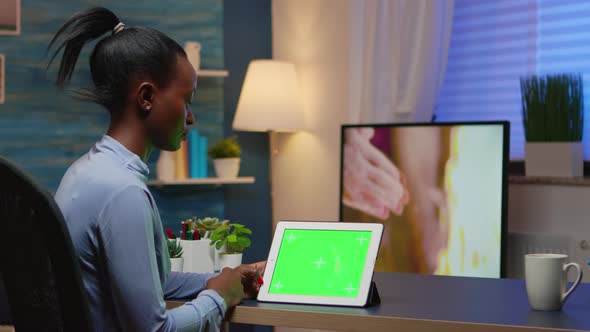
{"points": [[320, 262]]}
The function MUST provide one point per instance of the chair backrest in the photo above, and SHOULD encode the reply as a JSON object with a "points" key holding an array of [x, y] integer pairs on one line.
{"points": [[38, 265]]}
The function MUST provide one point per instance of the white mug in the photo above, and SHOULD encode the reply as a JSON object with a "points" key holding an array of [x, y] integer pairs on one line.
{"points": [[546, 280]]}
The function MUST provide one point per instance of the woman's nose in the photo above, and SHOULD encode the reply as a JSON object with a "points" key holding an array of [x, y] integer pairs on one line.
{"points": [[190, 118]]}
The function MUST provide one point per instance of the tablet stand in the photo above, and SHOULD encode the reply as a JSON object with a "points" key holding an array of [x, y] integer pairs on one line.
{"points": [[373, 296]]}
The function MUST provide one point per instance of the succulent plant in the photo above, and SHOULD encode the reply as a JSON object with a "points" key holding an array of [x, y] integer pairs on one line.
{"points": [[208, 225], [174, 248]]}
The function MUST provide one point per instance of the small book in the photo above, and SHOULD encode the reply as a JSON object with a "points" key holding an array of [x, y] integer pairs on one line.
{"points": [[194, 153], [203, 172], [182, 161]]}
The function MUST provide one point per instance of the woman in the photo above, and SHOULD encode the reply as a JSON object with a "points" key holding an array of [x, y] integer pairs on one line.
{"points": [[143, 78]]}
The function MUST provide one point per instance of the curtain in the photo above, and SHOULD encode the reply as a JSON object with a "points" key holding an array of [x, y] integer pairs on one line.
{"points": [[398, 58]]}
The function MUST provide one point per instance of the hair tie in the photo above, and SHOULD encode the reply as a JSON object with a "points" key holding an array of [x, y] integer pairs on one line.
{"points": [[118, 28]]}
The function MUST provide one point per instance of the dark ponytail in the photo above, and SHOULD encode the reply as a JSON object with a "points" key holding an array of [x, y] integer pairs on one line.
{"points": [[132, 52], [85, 26]]}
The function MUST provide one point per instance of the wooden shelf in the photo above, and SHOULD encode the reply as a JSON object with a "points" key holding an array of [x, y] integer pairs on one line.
{"points": [[203, 181], [212, 73]]}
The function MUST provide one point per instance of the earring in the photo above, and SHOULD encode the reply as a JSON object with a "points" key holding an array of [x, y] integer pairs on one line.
{"points": [[148, 107]]}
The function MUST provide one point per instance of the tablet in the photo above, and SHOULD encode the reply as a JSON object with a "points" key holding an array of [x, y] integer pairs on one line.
{"points": [[329, 263]]}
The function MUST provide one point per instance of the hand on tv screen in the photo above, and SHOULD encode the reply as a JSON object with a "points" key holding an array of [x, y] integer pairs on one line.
{"points": [[371, 182]]}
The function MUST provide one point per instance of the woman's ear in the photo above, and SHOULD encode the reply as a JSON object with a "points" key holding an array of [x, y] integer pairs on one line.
{"points": [[145, 96]]}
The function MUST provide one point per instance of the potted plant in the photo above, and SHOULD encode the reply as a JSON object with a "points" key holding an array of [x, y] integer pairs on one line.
{"points": [[175, 252], [199, 256], [226, 157], [205, 227], [235, 238], [553, 119]]}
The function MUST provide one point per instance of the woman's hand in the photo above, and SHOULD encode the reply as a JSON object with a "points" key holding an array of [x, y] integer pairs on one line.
{"points": [[252, 277], [227, 284]]}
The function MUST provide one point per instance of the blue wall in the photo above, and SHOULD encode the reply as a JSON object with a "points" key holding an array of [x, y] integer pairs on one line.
{"points": [[247, 35], [249, 204], [44, 131]]}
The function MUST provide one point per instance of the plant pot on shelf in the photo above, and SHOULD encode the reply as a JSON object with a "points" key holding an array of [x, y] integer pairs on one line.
{"points": [[230, 260], [553, 120], [557, 159], [176, 264], [227, 167]]}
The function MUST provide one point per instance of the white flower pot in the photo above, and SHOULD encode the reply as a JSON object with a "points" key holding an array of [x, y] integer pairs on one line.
{"points": [[226, 167], [199, 256], [560, 159], [217, 260], [230, 260], [176, 264]]}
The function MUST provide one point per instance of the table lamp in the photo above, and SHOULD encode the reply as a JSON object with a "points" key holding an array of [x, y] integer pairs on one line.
{"points": [[269, 100]]}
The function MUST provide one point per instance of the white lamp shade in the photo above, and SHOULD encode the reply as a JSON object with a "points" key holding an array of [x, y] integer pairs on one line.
{"points": [[270, 98]]}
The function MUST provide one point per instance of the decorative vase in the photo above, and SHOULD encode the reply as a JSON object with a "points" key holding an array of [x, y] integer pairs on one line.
{"points": [[230, 260], [558, 159], [165, 166], [199, 256], [227, 167], [176, 264], [193, 53]]}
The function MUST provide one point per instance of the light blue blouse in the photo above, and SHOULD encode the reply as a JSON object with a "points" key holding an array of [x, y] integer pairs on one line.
{"points": [[118, 237]]}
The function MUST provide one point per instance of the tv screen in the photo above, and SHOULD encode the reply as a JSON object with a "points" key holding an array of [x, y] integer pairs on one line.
{"points": [[440, 189]]}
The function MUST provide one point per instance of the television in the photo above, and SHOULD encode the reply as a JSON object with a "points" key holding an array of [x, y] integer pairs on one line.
{"points": [[439, 189]]}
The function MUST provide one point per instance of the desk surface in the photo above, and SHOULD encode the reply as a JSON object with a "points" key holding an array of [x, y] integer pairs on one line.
{"points": [[430, 303]]}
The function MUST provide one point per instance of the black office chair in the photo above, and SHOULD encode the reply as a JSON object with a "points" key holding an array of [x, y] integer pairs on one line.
{"points": [[38, 264]]}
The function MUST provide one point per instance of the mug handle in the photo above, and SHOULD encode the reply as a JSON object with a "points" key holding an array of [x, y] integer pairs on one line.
{"points": [[576, 283]]}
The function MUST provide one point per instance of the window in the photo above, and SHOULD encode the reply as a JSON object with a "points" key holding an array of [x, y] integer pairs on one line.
{"points": [[494, 43]]}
